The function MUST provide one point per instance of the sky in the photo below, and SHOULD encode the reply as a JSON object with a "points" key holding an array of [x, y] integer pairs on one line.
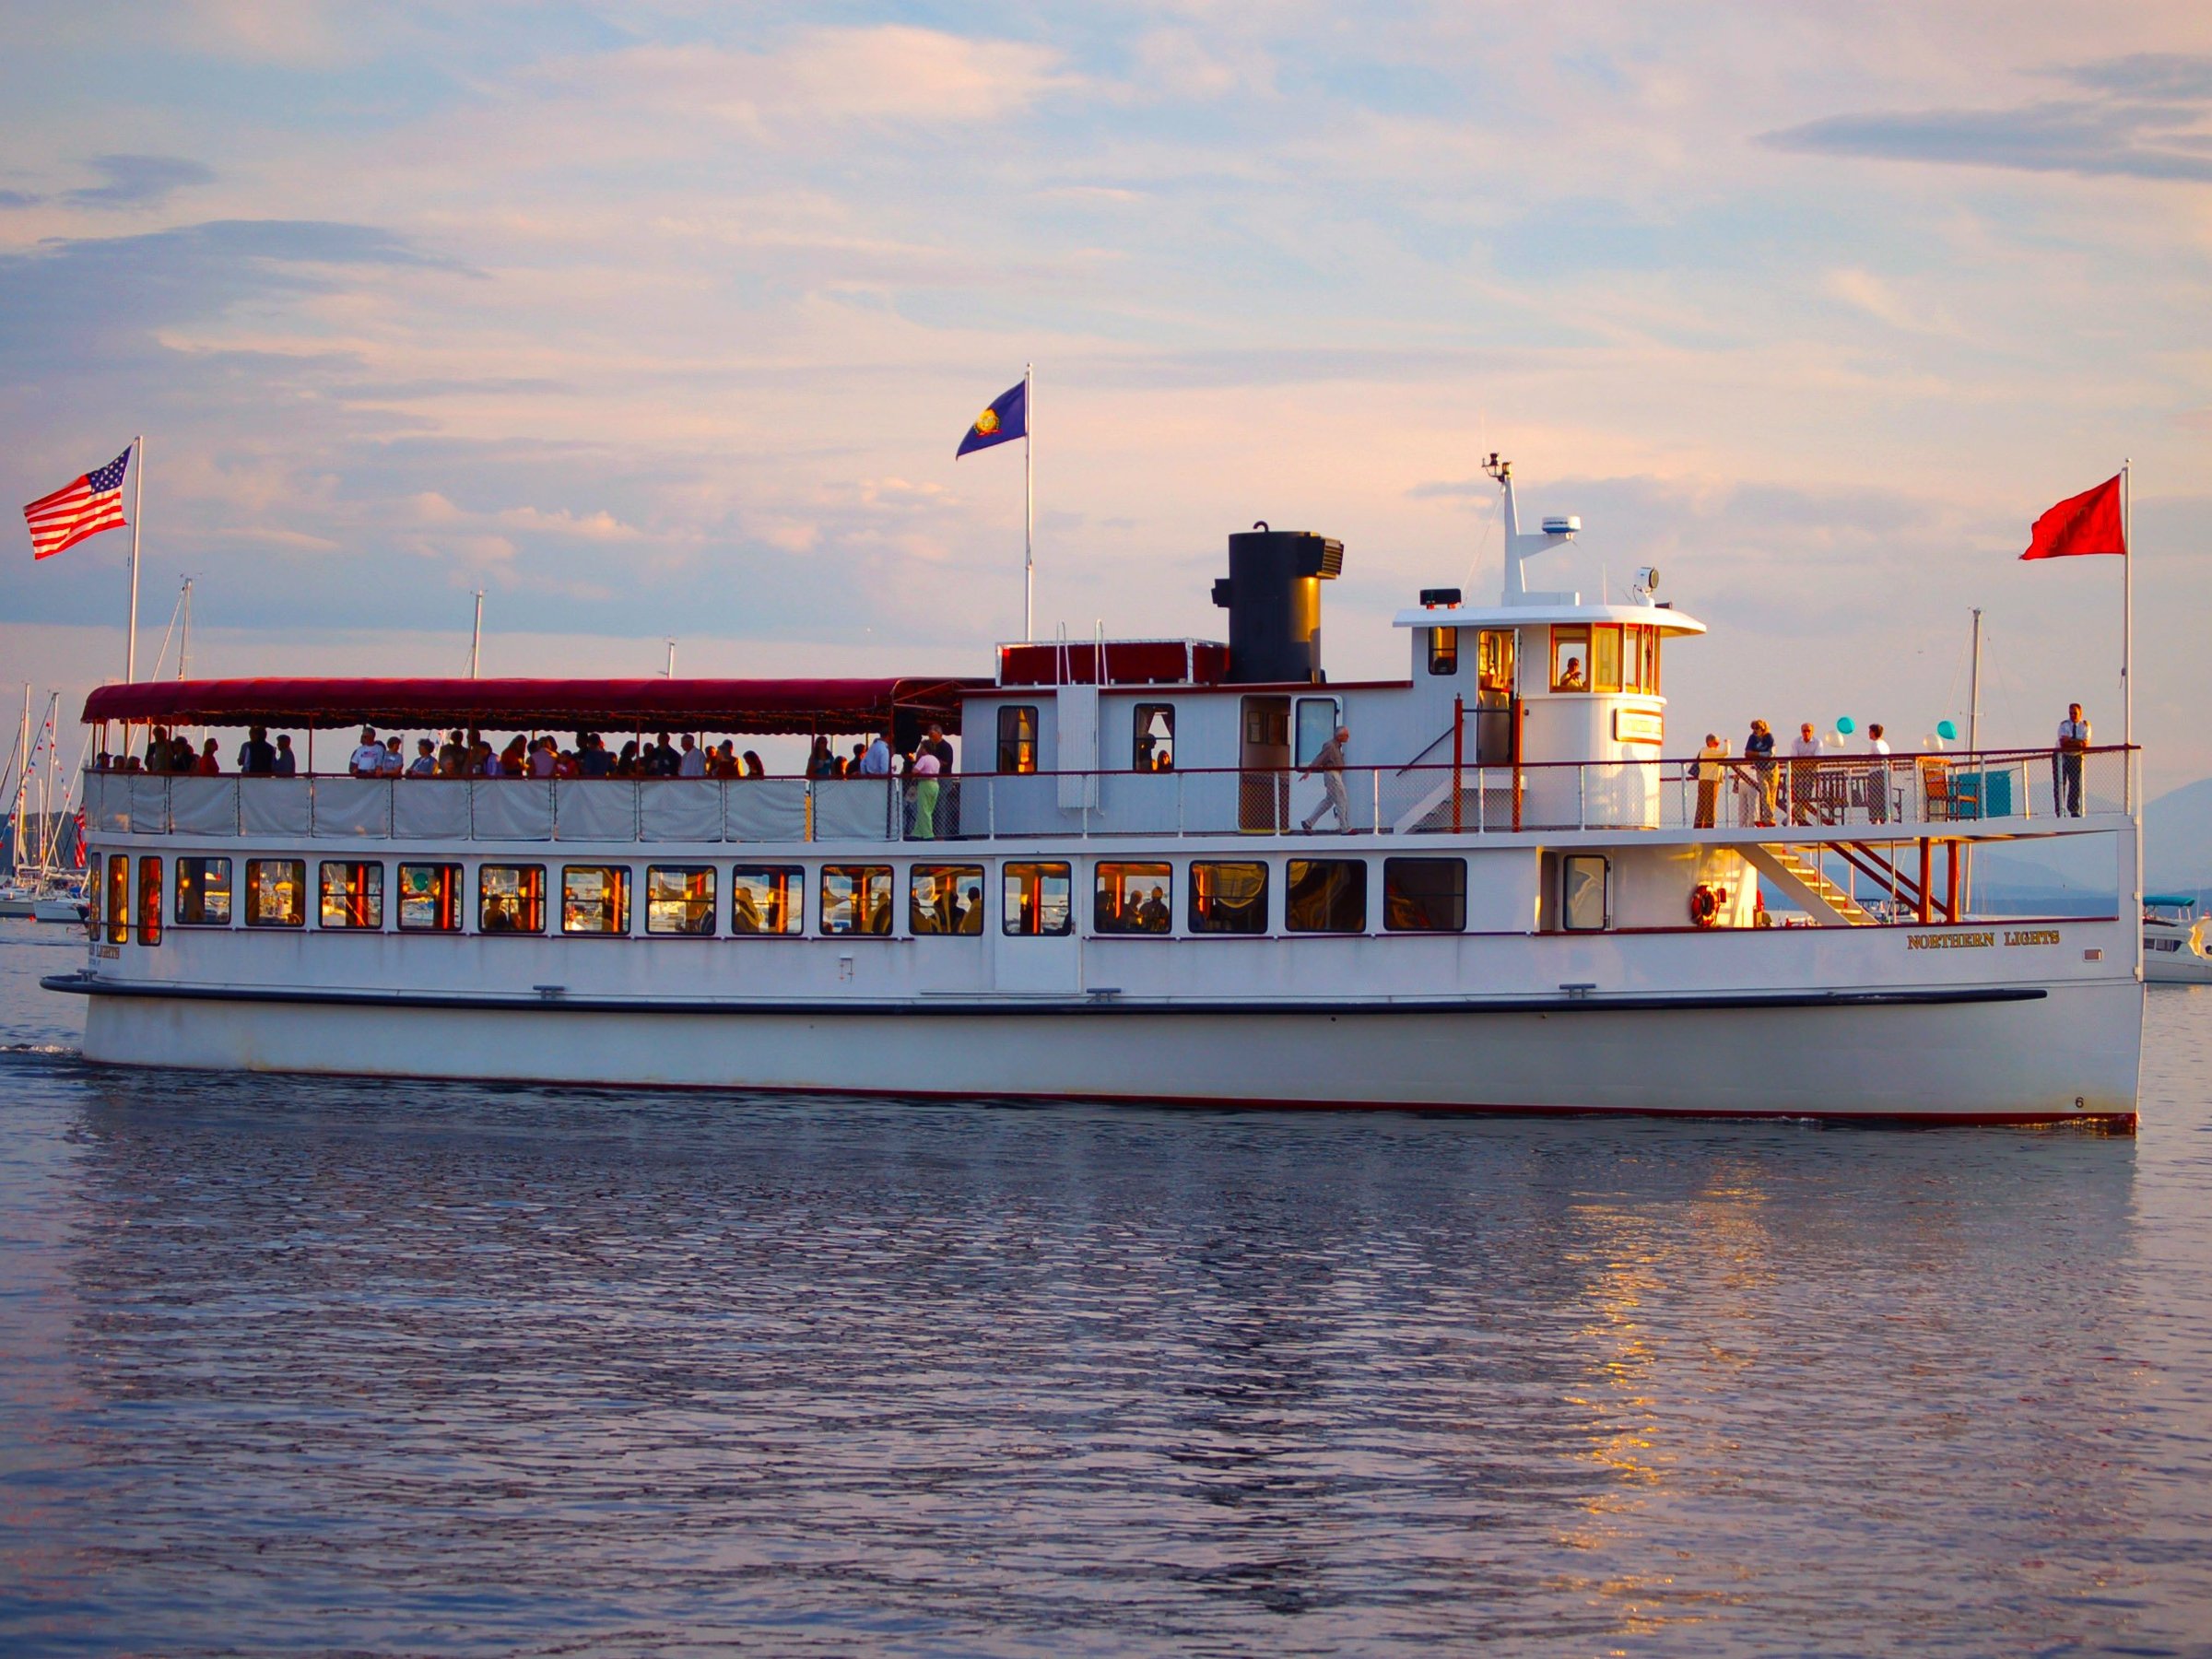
{"points": [[664, 321]]}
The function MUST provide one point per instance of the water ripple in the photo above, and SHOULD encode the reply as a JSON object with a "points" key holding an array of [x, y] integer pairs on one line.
{"points": [[295, 1366]]}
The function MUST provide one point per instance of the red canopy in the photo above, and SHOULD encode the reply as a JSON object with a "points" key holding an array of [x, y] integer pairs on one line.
{"points": [[776, 706]]}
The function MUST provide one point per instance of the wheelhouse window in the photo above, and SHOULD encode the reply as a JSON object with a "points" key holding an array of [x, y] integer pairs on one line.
{"points": [[118, 905], [767, 898], [203, 892], [276, 893], [945, 898], [511, 898], [1227, 898], [1155, 749], [353, 895], [1038, 900], [856, 898], [429, 898], [1133, 899], [1017, 738], [1425, 895], [1585, 899], [679, 898], [1443, 650], [1570, 659], [1494, 664], [594, 899], [149, 900], [1327, 895], [1604, 657]]}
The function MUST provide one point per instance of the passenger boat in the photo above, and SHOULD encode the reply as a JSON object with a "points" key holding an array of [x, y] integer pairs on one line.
{"points": [[2173, 941], [1144, 881]]}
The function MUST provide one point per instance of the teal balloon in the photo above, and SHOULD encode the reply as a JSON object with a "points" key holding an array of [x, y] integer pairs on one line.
{"points": [[1846, 724], [1948, 730]]}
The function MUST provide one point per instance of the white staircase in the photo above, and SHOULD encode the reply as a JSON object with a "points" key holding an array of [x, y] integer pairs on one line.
{"points": [[1801, 881]]}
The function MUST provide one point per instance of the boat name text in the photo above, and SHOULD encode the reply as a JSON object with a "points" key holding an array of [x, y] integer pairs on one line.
{"points": [[1982, 941]]}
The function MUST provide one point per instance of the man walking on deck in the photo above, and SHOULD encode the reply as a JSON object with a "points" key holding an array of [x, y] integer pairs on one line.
{"points": [[1329, 763]]}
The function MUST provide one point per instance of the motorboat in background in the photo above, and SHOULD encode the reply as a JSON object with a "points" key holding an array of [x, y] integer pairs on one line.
{"points": [[2173, 941]]}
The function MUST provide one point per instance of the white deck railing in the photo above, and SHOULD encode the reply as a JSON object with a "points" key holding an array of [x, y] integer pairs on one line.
{"points": [[1914, 793]]}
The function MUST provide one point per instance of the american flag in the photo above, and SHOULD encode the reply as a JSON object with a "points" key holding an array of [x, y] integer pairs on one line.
{"points": [[91, 504]]}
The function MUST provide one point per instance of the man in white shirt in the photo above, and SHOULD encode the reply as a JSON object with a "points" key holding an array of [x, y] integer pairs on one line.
{"points": [[877, 763], [692, 762], [2066, 773], [1878, 776], [1805, 773], [368, 759]]}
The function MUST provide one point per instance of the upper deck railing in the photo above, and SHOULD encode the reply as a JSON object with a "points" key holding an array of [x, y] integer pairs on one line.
{"points": [[1878, 797]]}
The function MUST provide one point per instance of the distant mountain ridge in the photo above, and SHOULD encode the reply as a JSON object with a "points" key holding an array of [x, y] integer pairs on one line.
{"points": [[2177, 840]]}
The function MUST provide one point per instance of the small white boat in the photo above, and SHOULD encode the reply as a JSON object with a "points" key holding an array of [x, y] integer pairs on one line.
{"points": [[2173, 941]]}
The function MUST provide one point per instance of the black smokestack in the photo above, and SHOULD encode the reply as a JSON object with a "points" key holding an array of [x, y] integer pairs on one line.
{"points": [[1273, 595]]}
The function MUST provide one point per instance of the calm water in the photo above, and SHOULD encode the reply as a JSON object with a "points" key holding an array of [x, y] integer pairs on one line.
{"points": [[291, 1366]]}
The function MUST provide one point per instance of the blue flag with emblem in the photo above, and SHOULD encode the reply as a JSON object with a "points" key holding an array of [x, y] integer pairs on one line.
{"points": [[1006, 419]]}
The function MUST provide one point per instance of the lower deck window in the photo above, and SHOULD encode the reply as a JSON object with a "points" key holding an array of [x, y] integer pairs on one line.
{"points": [[1425, 895], [429, 898], [118, 905], [679, 898], [1133, 898], [1229, 897], [1585, 900], [945, 898], [276, 893], [511, 898], [594, 899], [203, 892], [1038, 900], [1327, 895], [856, 898], [765, 899], [149, 900], [353, 895]]}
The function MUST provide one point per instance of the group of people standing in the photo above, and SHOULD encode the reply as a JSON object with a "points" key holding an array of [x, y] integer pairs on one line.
{"points": [[1816, 779]]}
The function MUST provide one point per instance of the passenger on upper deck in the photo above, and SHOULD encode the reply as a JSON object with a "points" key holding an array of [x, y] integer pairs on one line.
{"points": [[207, 766], [661, 760], [691, 763], [821, 762], [1329, 763], [157, 749], [393, 763], [426, 760], [256, 758], [875, 759], [368, 756], [753, 766], [288, 763]]}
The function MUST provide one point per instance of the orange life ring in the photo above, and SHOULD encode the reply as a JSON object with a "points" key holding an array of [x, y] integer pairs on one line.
{"points": [[1705, 905]]}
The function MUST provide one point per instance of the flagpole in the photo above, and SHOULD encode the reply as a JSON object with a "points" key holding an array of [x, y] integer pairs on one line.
{"points": [[1029, 509], [130, 640], [2127, 603]]}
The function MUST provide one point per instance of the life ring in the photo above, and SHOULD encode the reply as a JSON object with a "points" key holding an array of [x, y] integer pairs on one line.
{"points": [[1705, 905]]}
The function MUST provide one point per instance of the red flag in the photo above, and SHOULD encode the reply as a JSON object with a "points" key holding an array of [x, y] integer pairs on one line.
{"points": [[2088, 523]]}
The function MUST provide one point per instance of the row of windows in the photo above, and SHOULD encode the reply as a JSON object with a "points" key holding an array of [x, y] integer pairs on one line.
{"points": [[1604, 657], [1225, 896]]}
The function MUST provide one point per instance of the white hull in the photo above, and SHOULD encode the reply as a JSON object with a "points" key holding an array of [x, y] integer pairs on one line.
{"points": [[2071, 1054], [2177, 970]]}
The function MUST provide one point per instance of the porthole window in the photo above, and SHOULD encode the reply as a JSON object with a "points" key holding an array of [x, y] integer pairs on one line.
{"points": [[203, 892], [276, 893], [1586, 895], [767, 898], [679, 898], [945, 898], [1227, 898], [1327, 895], [1038, 900]]}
